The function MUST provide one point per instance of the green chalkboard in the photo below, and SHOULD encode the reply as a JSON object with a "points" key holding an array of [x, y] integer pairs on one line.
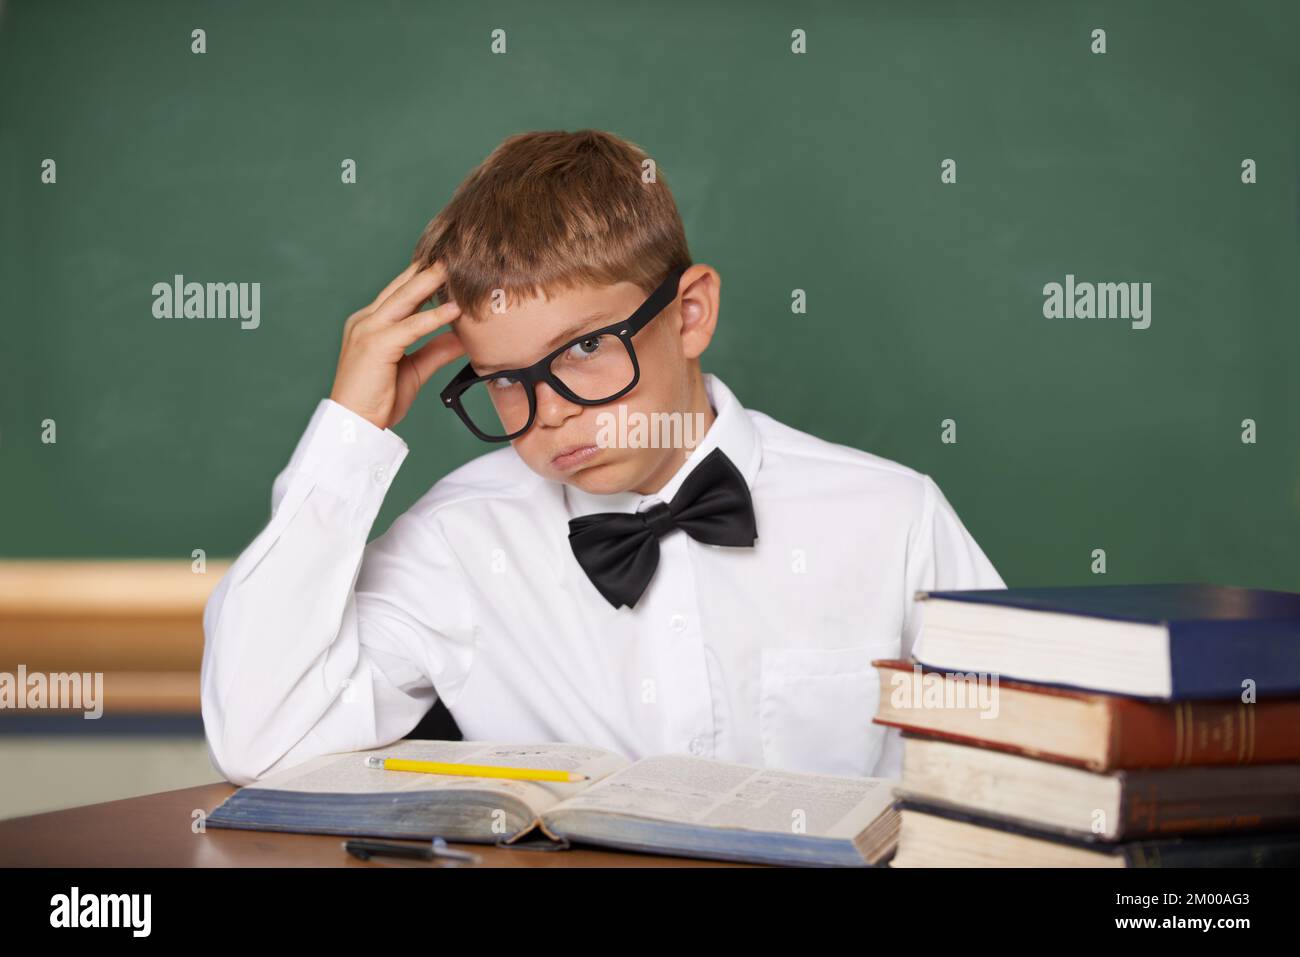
{"points": [[819, 171]]}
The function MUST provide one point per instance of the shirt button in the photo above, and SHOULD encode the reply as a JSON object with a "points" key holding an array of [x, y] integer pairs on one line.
{"points": [[677, 623], [697, 746]]}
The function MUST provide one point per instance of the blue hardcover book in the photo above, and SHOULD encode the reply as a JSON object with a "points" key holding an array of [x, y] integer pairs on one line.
{"points": [[1171, 642]]}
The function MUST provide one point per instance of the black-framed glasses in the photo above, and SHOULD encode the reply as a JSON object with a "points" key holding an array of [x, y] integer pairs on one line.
{"points": [[591, 369]]}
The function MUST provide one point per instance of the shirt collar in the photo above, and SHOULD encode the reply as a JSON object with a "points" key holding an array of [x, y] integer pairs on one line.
{"points": [[732, 431]]}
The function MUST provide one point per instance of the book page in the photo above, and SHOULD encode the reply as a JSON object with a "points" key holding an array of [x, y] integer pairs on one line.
{"points": [[348, 774], [716, 794]]}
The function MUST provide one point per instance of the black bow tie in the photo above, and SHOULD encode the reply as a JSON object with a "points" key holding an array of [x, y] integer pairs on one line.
{"points": [[619, 551]]}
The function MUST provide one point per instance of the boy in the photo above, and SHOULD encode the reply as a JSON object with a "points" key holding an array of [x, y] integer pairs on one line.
{"points": [[722, 600]]}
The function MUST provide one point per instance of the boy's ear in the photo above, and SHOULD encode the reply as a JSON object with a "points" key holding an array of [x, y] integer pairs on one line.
{"points": [[700, 293]]}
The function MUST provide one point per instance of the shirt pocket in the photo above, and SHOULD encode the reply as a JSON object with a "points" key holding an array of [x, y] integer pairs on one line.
{"points": [[815, 710]]}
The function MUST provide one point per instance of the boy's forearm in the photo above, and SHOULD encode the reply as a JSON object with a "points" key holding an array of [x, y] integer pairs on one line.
{"points": [[282, 639]]}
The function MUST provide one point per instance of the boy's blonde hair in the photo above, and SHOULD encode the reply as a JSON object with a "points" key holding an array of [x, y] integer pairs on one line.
{"points": [[547, 211]]}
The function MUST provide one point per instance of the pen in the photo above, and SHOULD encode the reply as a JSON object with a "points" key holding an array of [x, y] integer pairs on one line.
{"points": [[473, 770], [437, 848]]}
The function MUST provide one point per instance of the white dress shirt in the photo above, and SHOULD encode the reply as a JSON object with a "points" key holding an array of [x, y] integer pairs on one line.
{"points": [[317, 642]]}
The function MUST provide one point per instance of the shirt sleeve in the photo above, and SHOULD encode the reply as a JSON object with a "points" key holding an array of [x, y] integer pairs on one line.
{"points": [[314, 641], [941, 555]]}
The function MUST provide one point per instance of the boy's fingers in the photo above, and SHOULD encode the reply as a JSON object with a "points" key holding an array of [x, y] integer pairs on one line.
{"points": [[396, 336], [435, 354], [393, 284], [419, 324], [407, 297]]}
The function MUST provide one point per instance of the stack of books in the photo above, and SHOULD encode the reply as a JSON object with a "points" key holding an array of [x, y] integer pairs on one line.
{"points": [[1113, 726]]}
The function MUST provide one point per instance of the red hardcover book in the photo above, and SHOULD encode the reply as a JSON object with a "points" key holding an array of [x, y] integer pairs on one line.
{"points": [[1100, 732]]}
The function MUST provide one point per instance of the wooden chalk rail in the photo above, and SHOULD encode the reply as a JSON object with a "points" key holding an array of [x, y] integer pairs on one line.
{"points": [[139, 622]]}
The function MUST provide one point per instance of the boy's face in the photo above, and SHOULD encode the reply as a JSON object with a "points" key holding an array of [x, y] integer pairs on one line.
{"points": [[561, 444]]}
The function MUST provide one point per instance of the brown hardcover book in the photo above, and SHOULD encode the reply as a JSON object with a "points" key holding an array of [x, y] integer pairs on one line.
{"points": [[1115, 806], [1100, 732]]}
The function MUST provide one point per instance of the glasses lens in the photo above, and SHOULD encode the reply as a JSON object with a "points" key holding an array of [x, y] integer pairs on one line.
{"points": [[497, 407], [595, 368]]}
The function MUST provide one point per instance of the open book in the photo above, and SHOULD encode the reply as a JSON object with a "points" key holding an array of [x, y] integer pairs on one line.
{"points": [[669, 804]]}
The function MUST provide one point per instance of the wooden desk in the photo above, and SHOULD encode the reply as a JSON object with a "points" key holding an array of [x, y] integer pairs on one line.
{"points": [[155, 831]]}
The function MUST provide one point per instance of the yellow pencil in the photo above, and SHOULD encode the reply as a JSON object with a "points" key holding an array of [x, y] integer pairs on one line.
{"points": [[473, 770]]}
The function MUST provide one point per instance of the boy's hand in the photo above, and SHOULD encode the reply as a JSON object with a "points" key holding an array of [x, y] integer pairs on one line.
{"points": [[375, 378]]}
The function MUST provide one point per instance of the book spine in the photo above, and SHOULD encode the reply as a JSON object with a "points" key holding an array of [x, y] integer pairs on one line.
{"points": [[1200, 733], [1224, 658], [1262, 853], [1163, 806]]}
